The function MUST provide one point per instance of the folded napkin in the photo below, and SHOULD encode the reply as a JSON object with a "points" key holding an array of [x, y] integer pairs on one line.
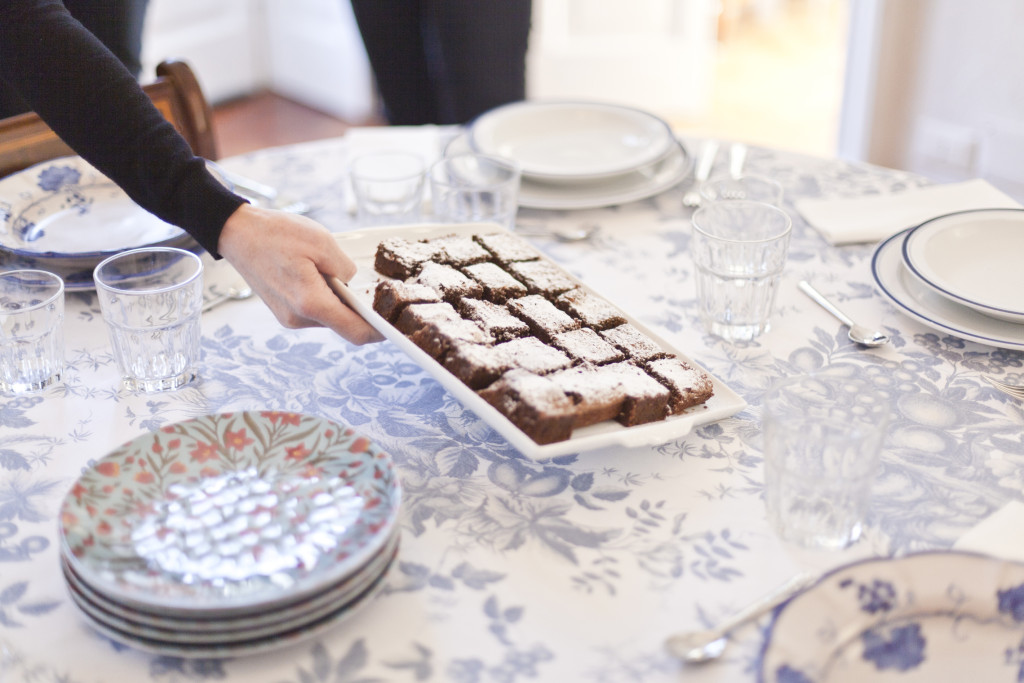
{"points": [[874, 218], [1001, 534], [422, 140]]}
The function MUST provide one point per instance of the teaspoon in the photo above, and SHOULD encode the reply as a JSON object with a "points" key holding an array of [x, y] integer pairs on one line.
{"points": [[858, 334], [234, 293]]}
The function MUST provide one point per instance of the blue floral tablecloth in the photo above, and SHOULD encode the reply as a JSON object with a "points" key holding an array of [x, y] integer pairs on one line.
{"points": [[574, 569]]}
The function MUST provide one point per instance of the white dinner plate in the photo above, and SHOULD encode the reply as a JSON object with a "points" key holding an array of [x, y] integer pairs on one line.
{"points": [[975, 258], [925, 305], [633, 186], [361, 246], [933, 616], [230, 514], [65, 216], [571, 141]]}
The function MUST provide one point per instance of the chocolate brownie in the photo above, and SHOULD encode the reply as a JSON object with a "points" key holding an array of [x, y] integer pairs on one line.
{"points": [[592, 311], [437, 336], [399, 258], [530, 353], [498, 285], [587, 346], [459, 250], [688, 386], [544, 319], [542, 277], [533, 403], [415, 316], [452, 284], [494, 319], [597, 394], [476, 365], [635, 344], [392, 296], [507, 248], [646, 400]]}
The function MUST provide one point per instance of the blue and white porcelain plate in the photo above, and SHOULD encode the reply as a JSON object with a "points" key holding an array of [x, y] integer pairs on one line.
{"points": [[65, 216], [934, 616]]}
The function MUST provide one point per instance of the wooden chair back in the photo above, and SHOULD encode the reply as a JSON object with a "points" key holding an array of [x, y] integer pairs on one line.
{"points": [[26, 140]]}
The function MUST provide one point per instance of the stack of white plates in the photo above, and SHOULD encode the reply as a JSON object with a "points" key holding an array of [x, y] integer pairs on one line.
{"points": [[230, 534], [577, 155], [960, 274]]}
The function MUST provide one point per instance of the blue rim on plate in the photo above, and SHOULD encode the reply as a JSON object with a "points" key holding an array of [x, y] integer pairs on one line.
{"points": [[902, 618], [916, 266], [930, 308]]}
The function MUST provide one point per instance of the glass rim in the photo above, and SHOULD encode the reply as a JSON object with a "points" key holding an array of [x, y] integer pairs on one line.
{"points": [[44, 275], [192, 256], [742, 203]]}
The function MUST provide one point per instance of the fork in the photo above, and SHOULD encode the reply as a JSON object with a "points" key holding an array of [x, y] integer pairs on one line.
{"points": [[1014, 390], [706, 160]]}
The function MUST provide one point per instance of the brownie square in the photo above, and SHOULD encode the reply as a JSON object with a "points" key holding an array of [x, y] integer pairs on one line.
{"points": [[544, 319], [636, 345], [437, 336], [449, 282], [399, 258], [476, 365], [507, 248], [494, 319], [498, 285], [597, 395], [456, 250], [530, 353], [587, 346], [414, 316], [646, 400], [688, 385], [533, 403], [542, 277], [392, 296], [592, 311]]}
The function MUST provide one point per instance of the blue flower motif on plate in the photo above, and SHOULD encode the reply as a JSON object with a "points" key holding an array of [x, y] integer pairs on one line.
{"points": [[53, 178], [901, 648], [1011, 601]]}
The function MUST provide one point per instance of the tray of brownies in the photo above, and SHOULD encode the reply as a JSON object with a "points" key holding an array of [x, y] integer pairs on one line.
{"points": [[547, 362]]}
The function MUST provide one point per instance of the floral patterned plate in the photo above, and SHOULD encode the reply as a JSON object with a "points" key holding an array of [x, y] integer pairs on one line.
{"points": [[934, 616], [229, 514], [65, 216]]}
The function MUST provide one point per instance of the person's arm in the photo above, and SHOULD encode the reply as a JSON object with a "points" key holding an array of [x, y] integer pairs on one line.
{"points": [[87, 96]]}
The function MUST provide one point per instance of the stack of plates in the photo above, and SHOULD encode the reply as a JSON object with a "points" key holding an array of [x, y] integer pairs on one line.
{"points": [[577, 155], [64, 216], [960, 274], [230, 534]]}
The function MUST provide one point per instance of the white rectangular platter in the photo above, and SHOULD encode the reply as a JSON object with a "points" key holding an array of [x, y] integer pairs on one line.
{"points": [[361, 246]]}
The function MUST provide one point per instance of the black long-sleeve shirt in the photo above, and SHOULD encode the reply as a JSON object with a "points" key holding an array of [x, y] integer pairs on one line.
{"points": [[97, 107]]}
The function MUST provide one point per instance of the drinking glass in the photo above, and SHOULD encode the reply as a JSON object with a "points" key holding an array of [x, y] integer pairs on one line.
{"points": [[31, 330], [471, 188], [151, 299], [823, 433], [739, 249], [388, 187]]}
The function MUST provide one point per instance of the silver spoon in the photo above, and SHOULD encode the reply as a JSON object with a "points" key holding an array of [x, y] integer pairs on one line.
{"points": [[708, 644], [234, 293], [858, 334], [579, 233]]}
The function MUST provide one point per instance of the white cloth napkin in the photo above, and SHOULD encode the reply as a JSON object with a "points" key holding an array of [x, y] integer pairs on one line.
{"points": [[422, 140], [872, 219], [1001, 534]]}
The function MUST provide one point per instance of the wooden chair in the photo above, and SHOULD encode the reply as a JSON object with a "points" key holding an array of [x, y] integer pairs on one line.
{"points": [[26, 140]]}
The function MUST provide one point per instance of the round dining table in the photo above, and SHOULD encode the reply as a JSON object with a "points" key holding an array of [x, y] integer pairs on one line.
{"points": [[511, 569]]}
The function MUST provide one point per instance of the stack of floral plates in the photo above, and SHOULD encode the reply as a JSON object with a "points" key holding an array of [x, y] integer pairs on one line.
{"points": [[960, 274], [230, 534], [576, 155]]}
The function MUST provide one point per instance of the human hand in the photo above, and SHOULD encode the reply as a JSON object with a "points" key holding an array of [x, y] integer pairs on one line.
{"points": [[284, 258]]}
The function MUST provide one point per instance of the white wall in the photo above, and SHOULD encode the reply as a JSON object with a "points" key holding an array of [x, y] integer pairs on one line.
{"points": [[947, 94]]}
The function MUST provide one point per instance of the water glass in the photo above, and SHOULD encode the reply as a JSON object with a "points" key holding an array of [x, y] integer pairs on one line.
{"points": [[471, 188], [739, 249], [823, 434], [388, 187], [755, 188], [151, 299], [31, 330]]}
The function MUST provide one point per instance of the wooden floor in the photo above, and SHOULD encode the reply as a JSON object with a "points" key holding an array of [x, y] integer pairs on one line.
{"points": [[266, 120]]}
